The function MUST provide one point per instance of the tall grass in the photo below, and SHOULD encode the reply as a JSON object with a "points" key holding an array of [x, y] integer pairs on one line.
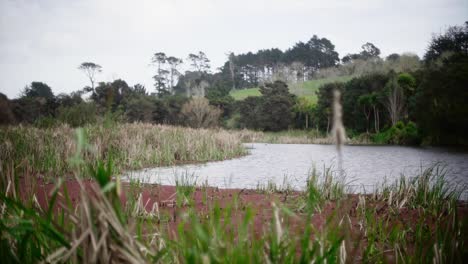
{"points": [[131, 146], [428, 191], [295, 137]]}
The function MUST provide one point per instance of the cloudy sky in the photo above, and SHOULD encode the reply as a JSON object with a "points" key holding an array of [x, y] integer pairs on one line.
{"points": [[46, 40]]}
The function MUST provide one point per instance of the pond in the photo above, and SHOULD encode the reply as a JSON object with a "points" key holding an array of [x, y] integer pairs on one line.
{"points": [[364, 166]]}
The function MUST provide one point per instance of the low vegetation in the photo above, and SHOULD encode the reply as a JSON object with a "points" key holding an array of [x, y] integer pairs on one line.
{"points": [[130, 146], [418, 219], [298, 137]]}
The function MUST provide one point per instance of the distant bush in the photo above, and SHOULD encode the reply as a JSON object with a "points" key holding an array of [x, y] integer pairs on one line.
{"points": [[233, 122], [396, 62], [273, 111], [199, 113], [141, 109], [7, 116], [400, 134], [45, 122], [78, 115]]}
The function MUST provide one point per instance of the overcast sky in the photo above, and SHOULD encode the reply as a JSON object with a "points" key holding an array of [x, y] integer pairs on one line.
{"points": [[46, 40]]}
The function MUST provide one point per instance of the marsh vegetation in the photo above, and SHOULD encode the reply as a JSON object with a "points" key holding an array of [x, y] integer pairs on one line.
{"points": [[413, 220]]}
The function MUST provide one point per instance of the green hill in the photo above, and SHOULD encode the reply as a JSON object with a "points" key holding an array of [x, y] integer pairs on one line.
{"points": [[305, 89]]}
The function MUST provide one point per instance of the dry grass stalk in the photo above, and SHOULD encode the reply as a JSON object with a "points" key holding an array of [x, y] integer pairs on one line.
{"points": [[338, 130], [99, 236]]}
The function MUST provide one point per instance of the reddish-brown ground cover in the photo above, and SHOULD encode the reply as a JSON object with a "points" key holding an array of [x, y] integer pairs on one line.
{"points": [[204, 198]]}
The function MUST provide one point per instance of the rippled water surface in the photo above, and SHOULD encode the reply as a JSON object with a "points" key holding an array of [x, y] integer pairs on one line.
{"points": [[365, 166]]}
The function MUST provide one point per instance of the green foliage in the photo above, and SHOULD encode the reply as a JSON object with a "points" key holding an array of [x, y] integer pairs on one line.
{"points": [[276, 113], [219, 96], [141, 109], [7, 116], [369, 51], [304, 109], [327, 186], [27, 234], [324, 104], [315, 54], [454, 40], [38, 89], [305, 58], [407, 81], [29, 109], [45, 122], [185, 188], [249, 110], [271, 112], [273, 89], [365, 100], [78, 115], [441, 98], [168, 109], [353, 116], [399, 134], [152, 109], [109, 96]]}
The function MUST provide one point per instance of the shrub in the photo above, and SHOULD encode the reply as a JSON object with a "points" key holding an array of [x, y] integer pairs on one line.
{"points": [[45, 122], [78, 115], [400, 134], [7, 116], [273, 111], [140, 109], [199, 113], [249, 112]]}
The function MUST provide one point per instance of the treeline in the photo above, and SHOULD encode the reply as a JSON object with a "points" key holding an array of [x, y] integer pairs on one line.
{"points": [[315, 58], [304, 61], [115, 100], [400, 99], [299, 62], [425, 104], [421, 105]]}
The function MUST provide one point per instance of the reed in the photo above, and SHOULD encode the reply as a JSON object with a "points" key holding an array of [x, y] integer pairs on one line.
{"points": [[296, 137], [131, 146]]}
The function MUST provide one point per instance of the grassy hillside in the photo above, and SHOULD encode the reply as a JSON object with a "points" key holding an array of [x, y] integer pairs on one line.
{"points": [[244, 93], [305, 89]]}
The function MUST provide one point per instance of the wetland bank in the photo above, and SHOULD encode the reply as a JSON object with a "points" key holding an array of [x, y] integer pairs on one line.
{"points": [[405, 219], [292, 155]]}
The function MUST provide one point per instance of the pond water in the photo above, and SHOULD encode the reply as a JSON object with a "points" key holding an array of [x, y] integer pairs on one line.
{"points": [[364, 166]]}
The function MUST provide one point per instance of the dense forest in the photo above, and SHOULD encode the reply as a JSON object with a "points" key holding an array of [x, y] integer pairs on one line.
{"points": [[399, 99]]}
